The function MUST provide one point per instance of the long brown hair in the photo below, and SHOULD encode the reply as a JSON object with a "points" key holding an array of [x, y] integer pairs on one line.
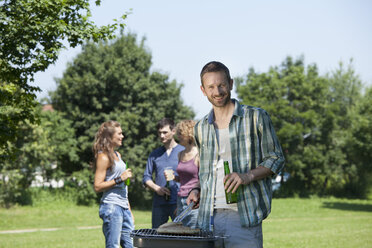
{"points": [[103, 141]]}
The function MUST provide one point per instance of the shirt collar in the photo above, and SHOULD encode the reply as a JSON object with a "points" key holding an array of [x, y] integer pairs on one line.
{"points": [[238, 111]]}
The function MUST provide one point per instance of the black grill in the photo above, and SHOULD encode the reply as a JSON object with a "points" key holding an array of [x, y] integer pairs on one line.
{"points": [[144, 238]]}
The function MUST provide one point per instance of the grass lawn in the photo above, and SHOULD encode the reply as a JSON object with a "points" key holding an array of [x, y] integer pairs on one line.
{"points": [[319, 223], [292, 223]]}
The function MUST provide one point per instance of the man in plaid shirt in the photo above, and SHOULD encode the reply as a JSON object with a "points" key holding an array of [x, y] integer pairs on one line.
{"points": [[244, 136]]}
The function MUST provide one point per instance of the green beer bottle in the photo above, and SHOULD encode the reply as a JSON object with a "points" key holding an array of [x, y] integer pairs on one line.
{"points": [[127, 182], [167, 197], [230, 197]]}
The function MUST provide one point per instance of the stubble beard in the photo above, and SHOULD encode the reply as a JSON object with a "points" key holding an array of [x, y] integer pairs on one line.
{"points": [[222, 104]]}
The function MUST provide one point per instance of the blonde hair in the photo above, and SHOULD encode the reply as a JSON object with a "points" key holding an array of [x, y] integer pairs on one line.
{"points": [[103, 141], [186, 128]]}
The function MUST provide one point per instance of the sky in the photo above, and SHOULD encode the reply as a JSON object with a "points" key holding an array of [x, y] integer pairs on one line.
{"points": [[183, 36]]}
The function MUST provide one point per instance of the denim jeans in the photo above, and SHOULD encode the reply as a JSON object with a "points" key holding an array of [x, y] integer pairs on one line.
{"points": [[161, 214], [227, 223], [191, 219], [117, 225]]}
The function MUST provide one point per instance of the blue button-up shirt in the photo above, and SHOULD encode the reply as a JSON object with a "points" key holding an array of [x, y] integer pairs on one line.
{"points": [[253, 143], [156, 163]]}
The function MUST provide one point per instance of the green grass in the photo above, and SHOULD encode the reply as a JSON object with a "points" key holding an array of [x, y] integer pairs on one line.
{"points": [[77, 226], [293, 223], [319, 223]]}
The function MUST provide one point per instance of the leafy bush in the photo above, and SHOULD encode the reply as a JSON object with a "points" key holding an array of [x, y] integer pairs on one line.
{"points": [[80, 185], [11, 191]]}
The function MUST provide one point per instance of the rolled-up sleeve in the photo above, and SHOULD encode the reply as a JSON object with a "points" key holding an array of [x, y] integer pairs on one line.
{"points": [[271, 151], [147, 174]]}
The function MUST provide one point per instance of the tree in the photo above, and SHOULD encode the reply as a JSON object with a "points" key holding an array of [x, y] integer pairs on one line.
{"points": [[305, 118], [359, 147], [113, 81], [32, 33], [46, 148], [345, 94]]}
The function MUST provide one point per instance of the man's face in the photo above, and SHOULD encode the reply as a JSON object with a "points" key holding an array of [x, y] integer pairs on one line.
{"points": [[166, 134], [217, 88]]}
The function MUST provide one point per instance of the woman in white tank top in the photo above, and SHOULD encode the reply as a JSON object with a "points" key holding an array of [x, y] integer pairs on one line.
{"points": [[110, 174]]}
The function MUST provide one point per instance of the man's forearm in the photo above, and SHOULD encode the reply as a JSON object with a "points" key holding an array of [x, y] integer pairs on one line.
{"points": [[150, 184], [256, 174]]}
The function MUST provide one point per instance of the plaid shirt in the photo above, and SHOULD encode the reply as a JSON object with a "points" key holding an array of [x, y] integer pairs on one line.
{"points": [[253, 143]]}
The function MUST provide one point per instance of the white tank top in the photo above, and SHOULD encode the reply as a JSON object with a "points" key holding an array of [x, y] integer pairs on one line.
{"points": [[118, 194]]}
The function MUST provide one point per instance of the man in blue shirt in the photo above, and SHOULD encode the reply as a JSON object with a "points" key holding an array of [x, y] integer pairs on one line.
{"points": [[161, 158]]}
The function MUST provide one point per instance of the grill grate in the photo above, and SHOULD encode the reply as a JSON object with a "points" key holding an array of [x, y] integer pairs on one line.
{"points": [[150, 238], [152, 233]]}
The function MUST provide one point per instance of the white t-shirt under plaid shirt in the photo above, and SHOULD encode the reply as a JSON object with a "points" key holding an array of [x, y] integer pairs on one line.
{"points": [[224, 155]]}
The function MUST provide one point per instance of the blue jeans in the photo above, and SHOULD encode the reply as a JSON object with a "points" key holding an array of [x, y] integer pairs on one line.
{"points": [[117, 225], [227, 223], [161, 214], [191, 219]]}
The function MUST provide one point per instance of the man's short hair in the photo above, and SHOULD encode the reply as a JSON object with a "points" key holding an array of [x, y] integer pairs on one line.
{"points": [[215, 66], [165, 122]]}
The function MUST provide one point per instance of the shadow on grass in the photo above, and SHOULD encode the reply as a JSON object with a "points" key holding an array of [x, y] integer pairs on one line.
{"points": [[348, 206]]}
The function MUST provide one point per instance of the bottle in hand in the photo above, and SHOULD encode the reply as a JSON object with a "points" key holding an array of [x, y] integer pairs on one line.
{"points": [[169, 175], [127, 182], [230, 197], [167, 197]]}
